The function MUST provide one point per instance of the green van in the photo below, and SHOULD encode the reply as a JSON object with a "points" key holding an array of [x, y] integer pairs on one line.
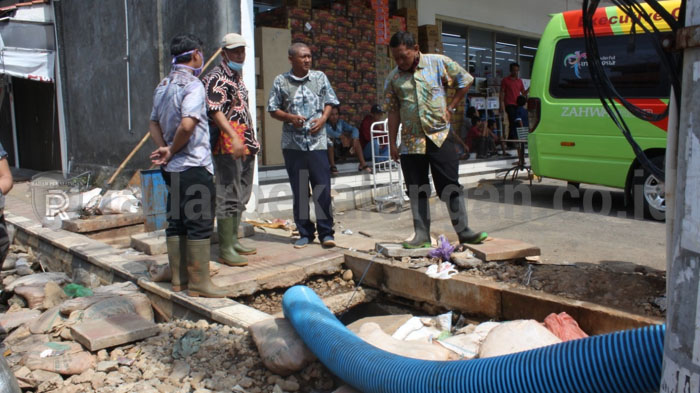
{"points": [[572, 137]]}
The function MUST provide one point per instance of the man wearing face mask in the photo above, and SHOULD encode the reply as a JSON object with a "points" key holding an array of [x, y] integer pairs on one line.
{"points": [[415, 97], [233, 146], [179, 128]]}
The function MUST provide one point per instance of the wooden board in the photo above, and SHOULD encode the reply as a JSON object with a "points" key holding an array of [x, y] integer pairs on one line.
{"points": [[495, 249], [100, 223]]}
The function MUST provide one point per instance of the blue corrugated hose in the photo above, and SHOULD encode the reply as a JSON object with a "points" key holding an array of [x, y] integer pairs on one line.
{"points": [[621, 362]]}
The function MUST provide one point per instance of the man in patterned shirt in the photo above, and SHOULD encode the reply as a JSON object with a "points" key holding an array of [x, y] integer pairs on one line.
{"points": [[415, 97], [179, 128], [232, 134], [302, 98]]}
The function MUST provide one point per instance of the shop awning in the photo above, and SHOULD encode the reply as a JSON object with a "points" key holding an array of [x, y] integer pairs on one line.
{"points": [[27, 43]]}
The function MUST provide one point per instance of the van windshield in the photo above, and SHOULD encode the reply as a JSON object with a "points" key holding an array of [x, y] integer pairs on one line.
{"points": [[631, 63]]}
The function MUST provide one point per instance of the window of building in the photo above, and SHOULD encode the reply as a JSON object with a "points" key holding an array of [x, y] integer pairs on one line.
{"points": [[506, 53], [454, 43], [632, 65], [526, 58], [481, 53]]}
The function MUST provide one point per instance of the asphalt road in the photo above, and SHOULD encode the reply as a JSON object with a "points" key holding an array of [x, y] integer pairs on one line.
{"points": [[588, 225]]}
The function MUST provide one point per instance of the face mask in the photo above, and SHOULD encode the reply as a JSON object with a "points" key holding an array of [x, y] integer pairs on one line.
{"points": [[196, 71], [238, 67]]}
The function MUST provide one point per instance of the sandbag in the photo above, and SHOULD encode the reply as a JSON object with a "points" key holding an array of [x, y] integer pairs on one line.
{"points": [[160, 272], [516, 336], [117, 202], [53, 295], [66, 358], [467, 344], [49, 321], [33, 295], [10, 321], [120, 288], [280, 348], [373, 334], [38, 280], [135, 303], [81, 303], [564, 327]]}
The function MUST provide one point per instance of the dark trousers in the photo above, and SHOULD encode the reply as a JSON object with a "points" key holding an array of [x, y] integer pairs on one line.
{"points": [[190, 203], [442, 162], [234, 183], [4, 239], [304, 168], [510, 110]]}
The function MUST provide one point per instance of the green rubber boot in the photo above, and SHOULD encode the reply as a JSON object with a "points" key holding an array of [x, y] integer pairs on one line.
{"points": [[237, 245], [198, 253], [177, 259], [420, 209], [227, 254]]}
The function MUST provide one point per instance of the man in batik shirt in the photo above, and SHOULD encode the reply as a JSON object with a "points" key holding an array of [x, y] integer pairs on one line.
{"points": [[415, 97], [232, 133], [302, 98]]}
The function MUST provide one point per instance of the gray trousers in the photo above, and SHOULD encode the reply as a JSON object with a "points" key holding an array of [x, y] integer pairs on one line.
{"points": [[234, 183]]}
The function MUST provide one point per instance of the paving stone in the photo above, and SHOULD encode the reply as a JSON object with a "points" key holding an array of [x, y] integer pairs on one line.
{"points": [[9, 321], [239, 315], [393, 250], [110, 332], [153, 243], [495, 249]]}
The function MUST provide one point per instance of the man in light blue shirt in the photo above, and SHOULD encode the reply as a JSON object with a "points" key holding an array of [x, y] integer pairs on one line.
{"points": [[180, 128], [302, 98]]}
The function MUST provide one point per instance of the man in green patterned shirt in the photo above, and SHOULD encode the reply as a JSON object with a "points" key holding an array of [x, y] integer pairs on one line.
{"points": [[415, 97]]}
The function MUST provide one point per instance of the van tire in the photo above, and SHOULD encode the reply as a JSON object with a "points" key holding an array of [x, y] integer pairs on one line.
{"points": [[653, 194]]}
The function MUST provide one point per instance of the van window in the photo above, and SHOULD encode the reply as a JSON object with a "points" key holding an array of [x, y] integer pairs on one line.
{"points": [[631, 63]]}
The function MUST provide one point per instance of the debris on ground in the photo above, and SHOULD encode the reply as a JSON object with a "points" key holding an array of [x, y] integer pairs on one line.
{"points": [[104, 339], [280, 346], [564, 327]]}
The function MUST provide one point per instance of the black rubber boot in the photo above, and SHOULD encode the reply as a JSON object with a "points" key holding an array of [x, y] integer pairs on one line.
{"points": [[458, 216], [420, 209]]}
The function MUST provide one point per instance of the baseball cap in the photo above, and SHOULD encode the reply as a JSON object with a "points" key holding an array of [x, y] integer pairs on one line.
{"points": [[232, 41], [377, 109]]}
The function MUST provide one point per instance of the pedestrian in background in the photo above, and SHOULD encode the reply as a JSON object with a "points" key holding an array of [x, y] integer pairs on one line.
{"points": [[180, 129], [234, 146], [415, 97], [511, 88], [303, 98]]}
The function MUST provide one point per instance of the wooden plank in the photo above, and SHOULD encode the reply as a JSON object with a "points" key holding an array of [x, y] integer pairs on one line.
{"points": [[495, 249], [100, 223]]}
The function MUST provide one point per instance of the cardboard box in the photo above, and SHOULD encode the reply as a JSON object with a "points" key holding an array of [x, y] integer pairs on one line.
{"points": [[343, 21], [410, 14], [428, 33], [320, 15], [342, 52], [338, 8], [302, 37], [298, 3], [365, 45]]}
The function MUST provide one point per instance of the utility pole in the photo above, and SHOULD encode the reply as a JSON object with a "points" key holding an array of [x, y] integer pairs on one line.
{"points": [[681, 368]]}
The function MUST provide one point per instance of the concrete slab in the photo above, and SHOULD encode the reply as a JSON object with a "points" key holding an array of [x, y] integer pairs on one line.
{"points": [[153, 243], [496, 249], [9, 321], [481, 297], [110, 332], [395, 250], [98, 223]]}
